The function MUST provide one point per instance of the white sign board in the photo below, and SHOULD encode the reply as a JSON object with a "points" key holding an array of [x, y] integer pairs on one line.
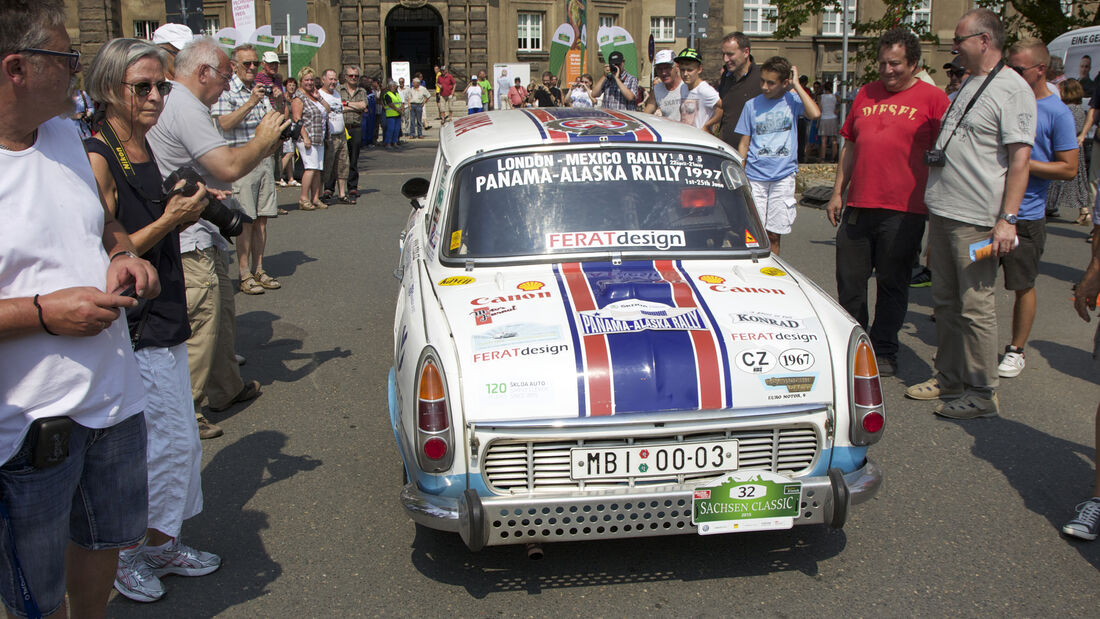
{"points": [[506, 73], [400, 70]]}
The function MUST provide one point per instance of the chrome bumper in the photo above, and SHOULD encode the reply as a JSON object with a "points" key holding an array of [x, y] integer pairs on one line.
{"points": [[500, 520]]}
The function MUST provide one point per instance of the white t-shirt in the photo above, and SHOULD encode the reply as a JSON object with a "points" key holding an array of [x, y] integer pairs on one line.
{"points": [[698, 107], [669, 101], [184, 132], [828, 105], [52, 239], [473, 95], [335, 114]]}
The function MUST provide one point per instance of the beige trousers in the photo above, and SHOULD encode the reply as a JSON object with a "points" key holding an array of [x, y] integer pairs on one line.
{"points": [[212, 313]]}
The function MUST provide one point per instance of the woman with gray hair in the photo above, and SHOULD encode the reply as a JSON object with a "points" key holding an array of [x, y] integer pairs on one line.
{"points": [[126, 80]]}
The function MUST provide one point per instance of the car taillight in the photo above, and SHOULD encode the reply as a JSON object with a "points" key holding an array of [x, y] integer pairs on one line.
{"points": [[867, 415], [434, 435], [432, 404]]}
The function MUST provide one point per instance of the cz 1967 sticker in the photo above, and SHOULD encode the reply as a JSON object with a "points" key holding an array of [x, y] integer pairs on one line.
{"points": [[746, 501]]}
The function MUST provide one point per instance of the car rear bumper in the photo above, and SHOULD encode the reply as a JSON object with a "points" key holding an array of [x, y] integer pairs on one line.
{"points": [[500, 520]]}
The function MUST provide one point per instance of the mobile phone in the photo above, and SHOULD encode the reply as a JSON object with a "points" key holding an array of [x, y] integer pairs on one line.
{"points": [[126, 291], [49, 439]]}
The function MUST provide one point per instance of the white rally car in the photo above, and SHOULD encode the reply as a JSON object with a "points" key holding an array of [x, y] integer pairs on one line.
{"points": [[592, 340]]}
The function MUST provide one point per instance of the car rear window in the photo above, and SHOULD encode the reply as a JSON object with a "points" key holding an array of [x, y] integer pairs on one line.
{"points": [[625, 200]]}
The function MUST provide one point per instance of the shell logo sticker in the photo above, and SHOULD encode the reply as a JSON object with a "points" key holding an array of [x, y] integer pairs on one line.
{"points": [[530, 286], [712, 279], [772, 271], [456, 281]]}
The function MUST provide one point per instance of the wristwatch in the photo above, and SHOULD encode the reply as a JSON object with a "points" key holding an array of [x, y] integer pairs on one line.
{"points": [[123, 253], [1009, 217]]}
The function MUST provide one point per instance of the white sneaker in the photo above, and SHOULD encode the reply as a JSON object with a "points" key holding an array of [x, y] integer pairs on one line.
{"points": [[134, 577], [1012, 363], [182, 560]]}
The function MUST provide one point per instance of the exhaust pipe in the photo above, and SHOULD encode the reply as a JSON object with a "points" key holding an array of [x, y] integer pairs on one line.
{"points": [[534, 551]]}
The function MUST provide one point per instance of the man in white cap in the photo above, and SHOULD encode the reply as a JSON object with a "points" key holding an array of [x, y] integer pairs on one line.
{"points": [[172, 38], [668, 89]]}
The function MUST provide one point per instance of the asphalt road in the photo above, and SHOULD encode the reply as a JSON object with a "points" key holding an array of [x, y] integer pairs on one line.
{"points": [[301, 494]]}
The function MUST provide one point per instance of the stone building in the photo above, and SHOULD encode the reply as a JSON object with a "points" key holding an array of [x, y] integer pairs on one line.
{"points": [[469, 35]]}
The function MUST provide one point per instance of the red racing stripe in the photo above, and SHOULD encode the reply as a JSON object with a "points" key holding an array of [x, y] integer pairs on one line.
{"points": [[641, 135], [708, 367], [597, 357]]}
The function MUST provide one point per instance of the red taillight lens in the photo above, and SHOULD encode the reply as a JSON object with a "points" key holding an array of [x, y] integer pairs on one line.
{"points": [[696, 197], [432, 405], [868, 392], [873, 422], [435, 448]]}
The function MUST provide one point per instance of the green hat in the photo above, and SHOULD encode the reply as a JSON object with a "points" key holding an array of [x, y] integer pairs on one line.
{"points": [[690, 54]]}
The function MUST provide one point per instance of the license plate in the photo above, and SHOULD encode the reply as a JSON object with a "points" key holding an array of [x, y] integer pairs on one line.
{"points": [[746, 501], [644, 461]]}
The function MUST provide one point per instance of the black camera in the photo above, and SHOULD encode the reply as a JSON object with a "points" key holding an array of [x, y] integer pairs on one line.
{"points": [[935, 158], [293, 131], [268, 90], [229, 221]]}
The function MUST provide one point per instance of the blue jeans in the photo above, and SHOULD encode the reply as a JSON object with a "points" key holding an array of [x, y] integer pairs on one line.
{"points": [[96, 499], [392, 130], [416, 120]]}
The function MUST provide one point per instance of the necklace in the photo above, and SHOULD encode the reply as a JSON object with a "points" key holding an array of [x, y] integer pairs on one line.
{"points": [[34, 138]]}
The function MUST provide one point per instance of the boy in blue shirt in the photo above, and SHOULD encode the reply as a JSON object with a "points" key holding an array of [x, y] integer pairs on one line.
{"points": [[769, 144], [1053, 157]]}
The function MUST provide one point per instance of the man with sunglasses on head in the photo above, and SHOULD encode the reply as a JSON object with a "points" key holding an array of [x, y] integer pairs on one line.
{"points": [[978, 172], [72, 433], [186, 135], [354, 99], [238, 112]]}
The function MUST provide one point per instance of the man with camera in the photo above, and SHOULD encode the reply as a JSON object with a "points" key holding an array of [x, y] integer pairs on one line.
{"points": [[185, 136], [72, 436], [978, 171], [238, 112], [619, 88]]}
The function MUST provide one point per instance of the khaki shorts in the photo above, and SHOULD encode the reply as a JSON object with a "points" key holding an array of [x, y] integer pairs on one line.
{"points": [[255, 192]]}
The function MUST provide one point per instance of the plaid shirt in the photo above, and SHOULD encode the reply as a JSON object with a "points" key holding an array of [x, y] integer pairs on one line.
{"points": [[352, 118], [613, 98], [233, 99]]}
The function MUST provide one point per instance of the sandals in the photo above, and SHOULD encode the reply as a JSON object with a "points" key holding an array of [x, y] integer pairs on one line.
{"points": [[306, 205], [266, 280], [931, 390], [293, 183], [345, 199], [249, 285]]}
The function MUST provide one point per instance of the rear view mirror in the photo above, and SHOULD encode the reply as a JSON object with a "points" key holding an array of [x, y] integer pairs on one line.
{"points": [[415, 188]]}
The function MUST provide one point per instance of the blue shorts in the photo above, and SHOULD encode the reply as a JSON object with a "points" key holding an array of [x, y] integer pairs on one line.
{"points": [[96, 499], [472, 110]]}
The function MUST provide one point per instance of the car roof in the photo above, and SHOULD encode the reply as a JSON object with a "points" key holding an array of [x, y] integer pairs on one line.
{"points": [[507, 129]]}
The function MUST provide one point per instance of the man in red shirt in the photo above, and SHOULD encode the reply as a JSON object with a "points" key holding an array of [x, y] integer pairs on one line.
{"points": [[882, 171], [446, 92]]}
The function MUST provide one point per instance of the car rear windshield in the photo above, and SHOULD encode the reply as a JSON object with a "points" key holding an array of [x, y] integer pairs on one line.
{"points": [[625, 201]]}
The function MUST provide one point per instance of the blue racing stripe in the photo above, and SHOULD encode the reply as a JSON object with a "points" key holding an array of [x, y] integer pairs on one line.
{"points": [[652, 370], [582, 407], [538, 124]]}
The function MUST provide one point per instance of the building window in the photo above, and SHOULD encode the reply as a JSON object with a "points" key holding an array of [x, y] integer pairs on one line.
{"points": [[830, 21], [757, 17], [529, 26], [210, 26], [607, 21], [144, 29], [922, 12], [1067, 7], [663, 29]]}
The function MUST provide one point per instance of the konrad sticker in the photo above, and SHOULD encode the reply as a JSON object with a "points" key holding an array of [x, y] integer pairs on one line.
{"points": [[755, 361], [459, 280]]}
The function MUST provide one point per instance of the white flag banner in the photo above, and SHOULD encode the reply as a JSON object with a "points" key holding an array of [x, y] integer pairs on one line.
{"points": [[244, 17]]}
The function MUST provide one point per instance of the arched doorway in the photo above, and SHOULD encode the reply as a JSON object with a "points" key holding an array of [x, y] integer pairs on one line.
{"points": [[415, 35]]}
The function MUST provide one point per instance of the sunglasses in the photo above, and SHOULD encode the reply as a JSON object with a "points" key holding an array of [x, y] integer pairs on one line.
{"points": [[958, 40], [352, 76], [72, 55], [1021, 70], [250, 64], [956, 72], [142, 89]]}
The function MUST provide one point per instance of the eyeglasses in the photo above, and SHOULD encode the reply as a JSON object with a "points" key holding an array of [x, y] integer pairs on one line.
{"points": [[1021, 70], [956, 72], [225, 76], [142, 89], [250, 64], [353, 76], [72, 55], [959, 40]]}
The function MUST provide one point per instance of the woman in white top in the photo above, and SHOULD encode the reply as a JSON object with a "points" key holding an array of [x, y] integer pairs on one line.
{"points": [[473, 97], [827, 125], [581, 93]]}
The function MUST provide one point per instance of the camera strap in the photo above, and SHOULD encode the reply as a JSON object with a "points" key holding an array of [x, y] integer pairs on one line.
{"points": [[970, 104], [112, 140]]}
